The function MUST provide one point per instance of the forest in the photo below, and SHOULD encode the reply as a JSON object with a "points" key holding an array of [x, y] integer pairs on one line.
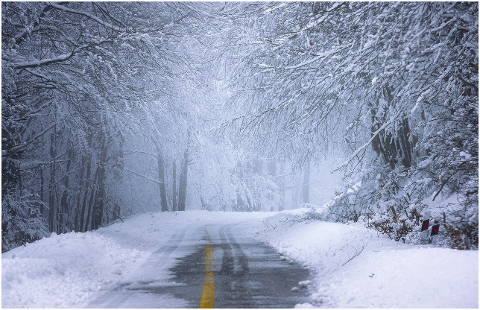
{"points": [[116, 108]]}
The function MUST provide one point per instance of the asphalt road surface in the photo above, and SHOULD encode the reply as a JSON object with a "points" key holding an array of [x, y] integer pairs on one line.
{"points": [[220, 268]]}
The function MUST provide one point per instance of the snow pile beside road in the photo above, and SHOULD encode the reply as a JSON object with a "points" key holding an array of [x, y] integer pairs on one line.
{"points": [[68, 270], [355, 268], [64, 270]]}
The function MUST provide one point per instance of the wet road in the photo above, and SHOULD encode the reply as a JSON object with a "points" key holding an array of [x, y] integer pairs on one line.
{"points": [[217, 266]]}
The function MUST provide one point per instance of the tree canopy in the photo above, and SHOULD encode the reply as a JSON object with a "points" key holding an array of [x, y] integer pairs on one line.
{"points": [[110, 109]]}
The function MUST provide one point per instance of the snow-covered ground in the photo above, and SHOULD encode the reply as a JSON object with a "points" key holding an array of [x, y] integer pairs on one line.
{"points": [[351, 265], [356, 268]]}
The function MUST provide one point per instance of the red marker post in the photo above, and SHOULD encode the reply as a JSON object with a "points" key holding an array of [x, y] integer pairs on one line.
{"points": [[425, 224], [424, 231], [434, 233]]}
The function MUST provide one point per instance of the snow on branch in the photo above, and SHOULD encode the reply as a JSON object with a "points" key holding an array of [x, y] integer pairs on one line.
{"points": [[93, 17], [59, 58], [143, 176], [23, 34], [320, 20], [318, 57], [26, 143], [43, 62], [374, 135]]}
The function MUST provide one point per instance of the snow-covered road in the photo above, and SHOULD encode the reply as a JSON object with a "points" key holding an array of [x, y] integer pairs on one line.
{"points": [[162, 260], [245, 273]]}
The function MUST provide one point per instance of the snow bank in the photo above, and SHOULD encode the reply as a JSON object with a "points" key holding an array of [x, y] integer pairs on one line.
{"points": [[401, 278], [64, 270], [355, 268]]}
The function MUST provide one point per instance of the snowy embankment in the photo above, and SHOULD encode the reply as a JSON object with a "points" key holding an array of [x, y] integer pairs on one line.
{"points": [[64, 270], [351, 265], [356, 268]]}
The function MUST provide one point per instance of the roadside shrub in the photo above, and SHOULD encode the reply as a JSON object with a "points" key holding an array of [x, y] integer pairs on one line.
{"points": [[395, 203]]}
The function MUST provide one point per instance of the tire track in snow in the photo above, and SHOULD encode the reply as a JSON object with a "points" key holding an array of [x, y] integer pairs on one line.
{"points": [[118, 296]]}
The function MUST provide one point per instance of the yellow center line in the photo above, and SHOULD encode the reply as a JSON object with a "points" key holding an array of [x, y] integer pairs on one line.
{"points": [[208, 284]]}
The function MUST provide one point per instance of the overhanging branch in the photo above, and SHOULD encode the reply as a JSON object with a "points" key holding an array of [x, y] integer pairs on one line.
{"points": [[88, 15], [44, 62], [375, 134], [145, 177]]}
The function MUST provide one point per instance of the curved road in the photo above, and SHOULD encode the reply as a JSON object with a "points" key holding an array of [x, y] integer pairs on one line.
{"points": [[217, 266]]}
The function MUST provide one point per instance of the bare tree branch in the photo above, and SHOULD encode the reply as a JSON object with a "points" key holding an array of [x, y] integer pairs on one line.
{"points": [[143, 176]]}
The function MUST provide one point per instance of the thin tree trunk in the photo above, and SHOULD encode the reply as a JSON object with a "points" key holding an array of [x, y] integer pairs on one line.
{"points": [[161, 178], [42, 190], [52, 186], [90, 203], [83, 221], [182, 191], [99, 205], [81, 184], [86, 186], [174, 192], [64, 200], [306, 183]]}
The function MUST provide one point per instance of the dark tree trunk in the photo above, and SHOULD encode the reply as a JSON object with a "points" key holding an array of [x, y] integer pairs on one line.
{"points": [[52, 212], [42, 190], [90, 203], [99, 202], [306, 183], [161, 178], [10, 165], [64, 209], [83, 220], [81, 185], [182, 191], [174, 190], [99, 205], [393, 146]]}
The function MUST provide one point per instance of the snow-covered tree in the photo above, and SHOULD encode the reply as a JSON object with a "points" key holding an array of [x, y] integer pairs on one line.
{"points": [[74, 78], [114, 108], [393, 81]]}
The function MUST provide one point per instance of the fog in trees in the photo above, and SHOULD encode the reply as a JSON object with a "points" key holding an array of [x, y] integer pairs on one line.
{"points": [[367, 109]]}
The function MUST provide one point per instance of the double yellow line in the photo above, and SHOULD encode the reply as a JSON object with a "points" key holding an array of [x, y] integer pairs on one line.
{"points": [[208, 284]]}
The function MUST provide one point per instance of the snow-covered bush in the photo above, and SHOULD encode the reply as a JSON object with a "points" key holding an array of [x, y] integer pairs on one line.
{"points": [[396, 202], [21, 222]]}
